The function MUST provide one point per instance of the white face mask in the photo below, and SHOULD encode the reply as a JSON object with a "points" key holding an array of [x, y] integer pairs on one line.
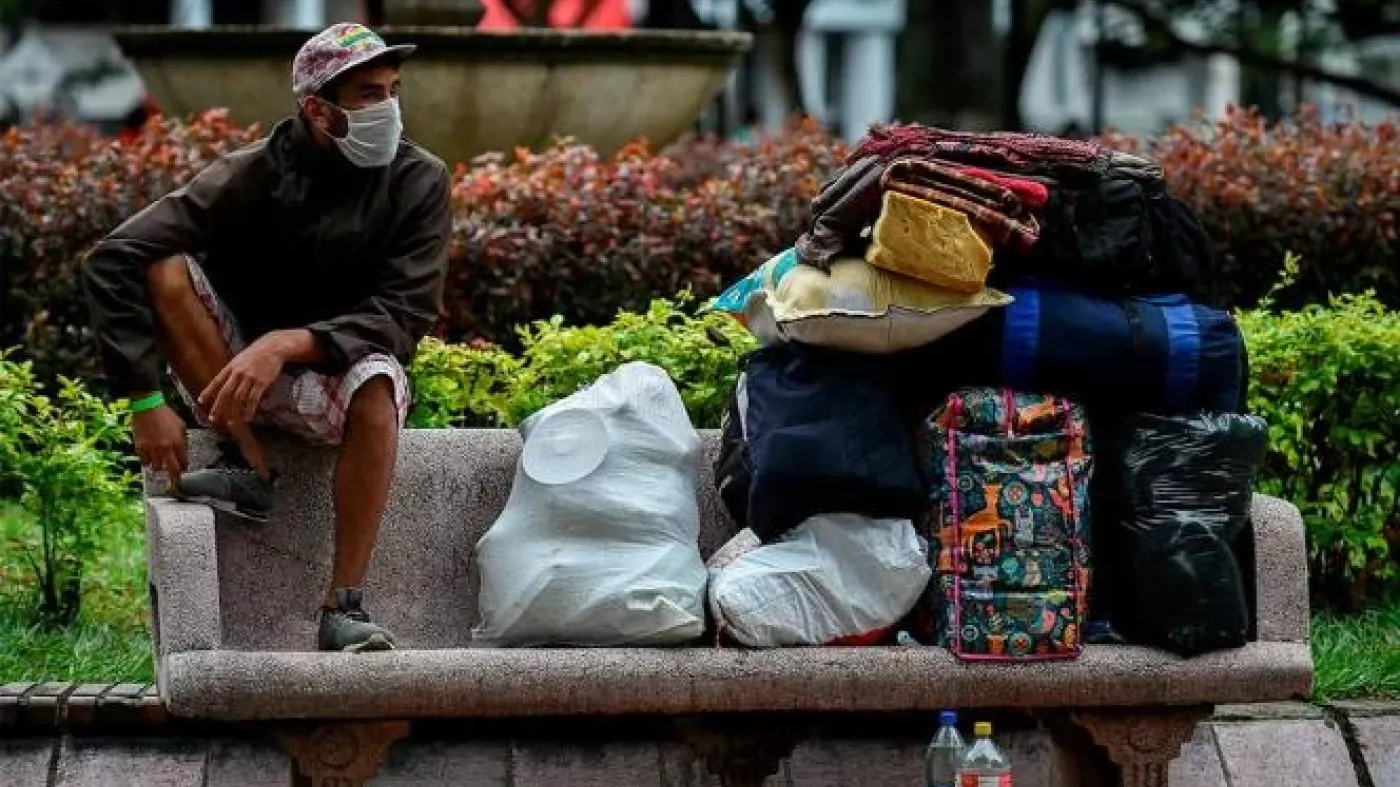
{"points": [[373, 134]]}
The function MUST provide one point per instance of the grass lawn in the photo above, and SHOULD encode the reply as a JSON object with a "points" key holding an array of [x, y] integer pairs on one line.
{"points": [[1356, 656], [87, 652], [109, 641]]}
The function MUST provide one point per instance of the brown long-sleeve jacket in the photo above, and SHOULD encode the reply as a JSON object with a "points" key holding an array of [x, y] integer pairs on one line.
{"points": [[290, 235]]}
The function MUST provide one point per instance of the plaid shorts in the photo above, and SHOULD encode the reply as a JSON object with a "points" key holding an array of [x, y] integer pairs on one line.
{"points": [[305, 404]]}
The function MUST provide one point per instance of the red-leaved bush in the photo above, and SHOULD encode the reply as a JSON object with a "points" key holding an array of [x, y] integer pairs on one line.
{"points": [[567, 231], [564, 231], [1328, 192], [61, 188], [570, 232]]}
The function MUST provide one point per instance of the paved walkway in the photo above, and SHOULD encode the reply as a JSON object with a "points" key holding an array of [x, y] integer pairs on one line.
{"points": [[1345, 744]]}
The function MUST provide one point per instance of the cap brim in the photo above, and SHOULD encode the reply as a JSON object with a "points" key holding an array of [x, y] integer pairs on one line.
{"points": [[397, 53]]}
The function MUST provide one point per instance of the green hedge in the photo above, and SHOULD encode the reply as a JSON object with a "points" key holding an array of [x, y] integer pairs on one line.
{"points": [[1327, 378], [457, 385]]}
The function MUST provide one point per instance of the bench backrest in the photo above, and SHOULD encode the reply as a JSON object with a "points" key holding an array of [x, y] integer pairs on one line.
{"points": [[449, 488]]}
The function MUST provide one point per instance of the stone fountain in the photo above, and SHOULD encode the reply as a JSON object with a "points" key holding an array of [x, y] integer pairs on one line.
{"points": [[466, 91]]}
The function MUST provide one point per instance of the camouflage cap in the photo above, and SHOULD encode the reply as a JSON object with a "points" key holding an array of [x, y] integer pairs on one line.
{"points": [[338, 49]]}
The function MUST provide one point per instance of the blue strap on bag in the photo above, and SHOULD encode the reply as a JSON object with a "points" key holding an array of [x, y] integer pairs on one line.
{"points": [[1168, 330], [1183, 371], [1021, 342]]}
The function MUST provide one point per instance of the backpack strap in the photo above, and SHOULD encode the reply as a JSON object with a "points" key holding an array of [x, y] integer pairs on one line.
{"points": [[1076, 527], [954, 503], [1183, 372]]}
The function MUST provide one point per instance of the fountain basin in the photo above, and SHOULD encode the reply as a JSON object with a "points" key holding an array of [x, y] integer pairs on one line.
{"points": [[466, 91]]}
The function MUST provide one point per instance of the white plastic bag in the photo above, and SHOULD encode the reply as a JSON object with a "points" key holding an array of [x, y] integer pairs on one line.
{"points": [[835, 578], [598, 544]]}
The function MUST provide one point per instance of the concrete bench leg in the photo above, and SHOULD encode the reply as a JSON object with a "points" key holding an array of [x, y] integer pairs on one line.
{"points": [[1142, 742], [339, 754]]}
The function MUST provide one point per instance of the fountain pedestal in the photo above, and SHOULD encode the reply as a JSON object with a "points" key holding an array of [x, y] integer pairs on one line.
{"points": [[466, 91]]}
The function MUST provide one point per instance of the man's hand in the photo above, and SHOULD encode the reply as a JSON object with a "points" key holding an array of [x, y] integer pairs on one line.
{"points": [[233, 396], [159, 435]]}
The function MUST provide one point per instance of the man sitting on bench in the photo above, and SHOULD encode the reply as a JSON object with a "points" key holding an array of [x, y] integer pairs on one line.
{"points": [[286, 286]]}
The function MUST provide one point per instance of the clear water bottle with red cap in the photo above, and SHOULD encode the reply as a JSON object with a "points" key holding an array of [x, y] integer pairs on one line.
{"points": [[984, 765], [945, 753]]}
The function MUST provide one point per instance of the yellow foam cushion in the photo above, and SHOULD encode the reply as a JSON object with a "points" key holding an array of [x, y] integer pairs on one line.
{"points": [[929, 242]]}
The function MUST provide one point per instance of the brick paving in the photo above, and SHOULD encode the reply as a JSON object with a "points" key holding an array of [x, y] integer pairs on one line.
{"points": [[81, 735]]}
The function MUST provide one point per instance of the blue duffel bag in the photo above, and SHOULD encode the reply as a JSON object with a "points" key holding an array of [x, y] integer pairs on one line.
{"points": [[1151, 353]]}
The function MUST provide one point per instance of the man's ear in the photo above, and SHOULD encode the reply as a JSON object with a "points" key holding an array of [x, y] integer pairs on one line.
{"points": [[324, 116], [311, 110]]}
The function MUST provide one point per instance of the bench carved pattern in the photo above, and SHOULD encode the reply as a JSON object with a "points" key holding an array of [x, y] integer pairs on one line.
{"points": [[343, 754]]}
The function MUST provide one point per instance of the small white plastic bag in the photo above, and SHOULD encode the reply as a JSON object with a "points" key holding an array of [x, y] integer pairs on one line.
{"points": [[834, 579]]}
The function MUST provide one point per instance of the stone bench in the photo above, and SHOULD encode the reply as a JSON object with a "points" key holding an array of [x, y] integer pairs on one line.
{"points": [[234, 607]]}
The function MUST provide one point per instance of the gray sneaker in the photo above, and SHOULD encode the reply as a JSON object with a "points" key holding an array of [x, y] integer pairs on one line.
{"points": [[228, 485], [347, 628]]}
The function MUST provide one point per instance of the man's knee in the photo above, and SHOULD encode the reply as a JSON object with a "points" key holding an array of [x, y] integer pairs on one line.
{"points": [[168, 282], [373, 405]]}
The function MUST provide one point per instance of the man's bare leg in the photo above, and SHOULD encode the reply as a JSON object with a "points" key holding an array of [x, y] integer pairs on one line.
{"points": [[190, 338], [363, 473]]}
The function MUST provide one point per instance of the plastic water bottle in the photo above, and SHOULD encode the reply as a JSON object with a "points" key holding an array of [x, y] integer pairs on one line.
{"points": [[984, 765], [945, 754]]}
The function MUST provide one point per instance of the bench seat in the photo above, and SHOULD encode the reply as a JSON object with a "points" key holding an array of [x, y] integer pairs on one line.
{"points": [[487, 682]]}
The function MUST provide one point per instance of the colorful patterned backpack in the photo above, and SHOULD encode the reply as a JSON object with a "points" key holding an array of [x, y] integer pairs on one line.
{"points": [[1008, 508]]}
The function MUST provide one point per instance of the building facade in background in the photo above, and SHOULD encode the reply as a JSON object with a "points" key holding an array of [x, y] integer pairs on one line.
{"points": [[847, 61]]}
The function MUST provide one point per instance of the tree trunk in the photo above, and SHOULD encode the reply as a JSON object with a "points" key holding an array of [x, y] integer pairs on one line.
{"points": [[964, 81], [1263, 87], [1027, 17], [788, 16], [236, 12], [785, 48]]}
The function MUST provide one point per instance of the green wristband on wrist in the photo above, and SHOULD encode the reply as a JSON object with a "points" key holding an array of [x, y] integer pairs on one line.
{"points": [[146, 403]]}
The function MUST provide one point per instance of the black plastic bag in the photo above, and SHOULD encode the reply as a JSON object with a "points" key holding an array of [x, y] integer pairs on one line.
{"points": [[1188, 488]]}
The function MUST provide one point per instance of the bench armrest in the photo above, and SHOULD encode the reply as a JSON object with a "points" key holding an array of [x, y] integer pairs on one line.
{"points": [[183, 569], [1280, 571]]}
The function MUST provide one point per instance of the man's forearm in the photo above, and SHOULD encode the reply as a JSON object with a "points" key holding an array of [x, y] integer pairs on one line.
{"points": [[296, 345]]}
